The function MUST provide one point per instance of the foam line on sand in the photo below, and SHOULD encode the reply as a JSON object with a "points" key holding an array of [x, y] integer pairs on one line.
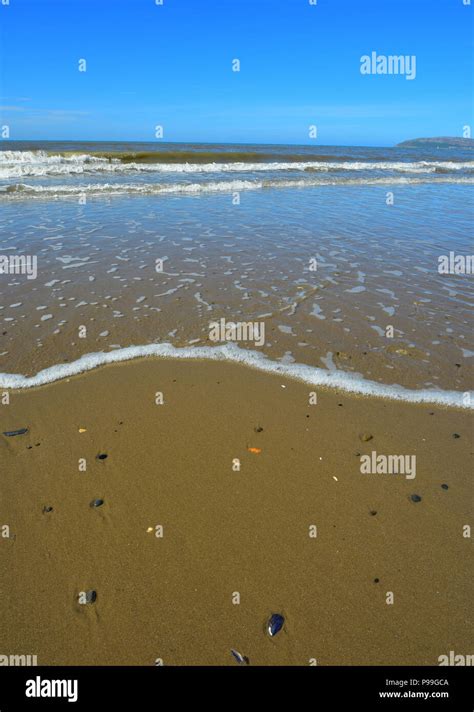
{"points": [[313, 376]]}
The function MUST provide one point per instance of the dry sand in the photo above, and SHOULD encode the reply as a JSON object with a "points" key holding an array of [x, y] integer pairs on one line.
{"points": [[225, 531]]}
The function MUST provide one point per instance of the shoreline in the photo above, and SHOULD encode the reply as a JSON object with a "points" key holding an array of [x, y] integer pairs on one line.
{"points": [[349, 382]]}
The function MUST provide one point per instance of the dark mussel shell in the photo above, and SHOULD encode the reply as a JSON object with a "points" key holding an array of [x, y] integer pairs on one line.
{"points": [[241, 659], [12, 433], [275, 624]]}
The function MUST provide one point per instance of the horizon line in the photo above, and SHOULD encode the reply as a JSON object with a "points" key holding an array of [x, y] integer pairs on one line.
{"points": [[211, 143]]}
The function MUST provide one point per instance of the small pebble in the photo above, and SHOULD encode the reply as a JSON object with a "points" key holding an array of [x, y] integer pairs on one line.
{"points": [[365, 437], [97, 503], [373, 512], [46, 510], [275, 624], [102, 456], [456, 435], [415, 498], [91, 596], [445, 487], [258, 429]]}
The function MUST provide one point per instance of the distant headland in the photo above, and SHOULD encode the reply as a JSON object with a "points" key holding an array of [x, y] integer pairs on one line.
{"points": [[438, 142]]}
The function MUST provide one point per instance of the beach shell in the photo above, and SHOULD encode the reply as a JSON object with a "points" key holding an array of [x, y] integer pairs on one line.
{"points": [[12, 433], [275, 624], [241, 659]]}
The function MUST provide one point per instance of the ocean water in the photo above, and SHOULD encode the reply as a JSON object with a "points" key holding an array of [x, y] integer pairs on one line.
{"points": [[335, 250]]}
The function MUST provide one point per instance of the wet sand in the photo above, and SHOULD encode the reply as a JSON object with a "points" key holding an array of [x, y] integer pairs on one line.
{"points": [[225, 531]]}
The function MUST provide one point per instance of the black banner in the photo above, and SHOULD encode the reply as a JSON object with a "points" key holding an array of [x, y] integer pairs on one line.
{"points": [[72, 688]]}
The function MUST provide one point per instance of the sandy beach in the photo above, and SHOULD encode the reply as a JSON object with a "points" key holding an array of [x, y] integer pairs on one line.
{"points": [[190, 553]]}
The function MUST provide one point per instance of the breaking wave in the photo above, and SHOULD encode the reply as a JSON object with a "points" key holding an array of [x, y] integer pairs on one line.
{"points": [[18, 164]]}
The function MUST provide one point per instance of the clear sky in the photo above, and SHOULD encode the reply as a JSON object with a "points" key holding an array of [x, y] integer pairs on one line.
{"points": [[171, 65]]}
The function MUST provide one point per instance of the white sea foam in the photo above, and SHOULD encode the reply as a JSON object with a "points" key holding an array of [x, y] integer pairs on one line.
{"points": [[23, 190], [17, 164], [311, 375]]}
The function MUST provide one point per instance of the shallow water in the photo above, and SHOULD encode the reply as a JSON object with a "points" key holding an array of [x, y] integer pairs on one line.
{"points": [[314, 251]]}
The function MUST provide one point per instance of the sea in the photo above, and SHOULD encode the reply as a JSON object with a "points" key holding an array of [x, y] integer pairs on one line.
{"points": [[354, 263]]}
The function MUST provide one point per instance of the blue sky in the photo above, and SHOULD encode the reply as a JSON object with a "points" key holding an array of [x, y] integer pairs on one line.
{"points": [[171, 65]]}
